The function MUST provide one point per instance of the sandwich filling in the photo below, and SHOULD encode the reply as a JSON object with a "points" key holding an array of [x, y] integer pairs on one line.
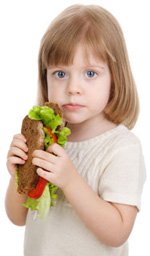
{"points": [[42, 127]]}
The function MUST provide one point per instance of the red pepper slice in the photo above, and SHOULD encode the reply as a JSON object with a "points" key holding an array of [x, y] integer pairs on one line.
{"points": [[37, 192], [52, 134]]}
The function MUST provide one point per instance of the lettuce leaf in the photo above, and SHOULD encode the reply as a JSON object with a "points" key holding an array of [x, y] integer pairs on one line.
{"points": [[46, 115], [41, 205], [62, 136], [51, 120]]}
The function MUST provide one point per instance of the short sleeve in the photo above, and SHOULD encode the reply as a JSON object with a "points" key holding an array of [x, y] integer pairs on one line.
{"points": [[124, 176]]}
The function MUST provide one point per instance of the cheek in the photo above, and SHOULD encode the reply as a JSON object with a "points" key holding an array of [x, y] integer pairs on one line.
{"points": [[100, 98], [106, 92], [105, 98], [106, 95], [51, 91], [49, 94], [54, 94]]}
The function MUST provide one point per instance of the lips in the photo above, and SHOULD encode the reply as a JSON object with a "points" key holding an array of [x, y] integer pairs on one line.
{"points": [[72, 106]]}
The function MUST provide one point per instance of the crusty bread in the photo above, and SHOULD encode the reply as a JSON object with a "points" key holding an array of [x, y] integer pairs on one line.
{"points": [[55, 107], [34, 134], [57, 111]]}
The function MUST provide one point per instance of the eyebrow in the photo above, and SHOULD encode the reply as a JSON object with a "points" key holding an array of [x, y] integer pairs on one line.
{"points": [[85, 66], [95, 66]]}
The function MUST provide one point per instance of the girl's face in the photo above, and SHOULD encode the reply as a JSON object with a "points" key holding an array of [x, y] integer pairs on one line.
{"points": [[81, 89]]}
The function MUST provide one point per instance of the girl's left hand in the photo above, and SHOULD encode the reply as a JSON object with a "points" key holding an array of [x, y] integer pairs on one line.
{"points": [[55, 165]]}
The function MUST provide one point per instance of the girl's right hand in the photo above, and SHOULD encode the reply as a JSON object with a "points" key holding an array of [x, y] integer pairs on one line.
{"points": [[17, 153]]}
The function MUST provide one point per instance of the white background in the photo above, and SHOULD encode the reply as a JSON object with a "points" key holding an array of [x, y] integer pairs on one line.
{"points": [[22, 24]]}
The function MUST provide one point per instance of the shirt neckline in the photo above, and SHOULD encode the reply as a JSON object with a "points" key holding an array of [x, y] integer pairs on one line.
{"points": [[98, 137]]}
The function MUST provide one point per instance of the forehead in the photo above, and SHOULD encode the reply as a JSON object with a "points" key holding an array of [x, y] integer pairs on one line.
{"points": [[63, 50], [86, 56], [83, 55]]}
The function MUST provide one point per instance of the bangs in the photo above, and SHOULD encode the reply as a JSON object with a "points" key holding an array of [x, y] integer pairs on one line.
{"points": [[58, 48]]}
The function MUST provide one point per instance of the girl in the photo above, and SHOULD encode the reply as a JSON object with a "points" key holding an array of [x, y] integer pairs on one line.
{"points": [[84, 66]]}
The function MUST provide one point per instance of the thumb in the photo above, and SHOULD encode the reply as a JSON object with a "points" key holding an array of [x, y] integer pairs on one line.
{"points": [[56, 149]]}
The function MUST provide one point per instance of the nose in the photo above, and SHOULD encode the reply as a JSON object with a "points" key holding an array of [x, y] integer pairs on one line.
{"points": [[74, 86]]}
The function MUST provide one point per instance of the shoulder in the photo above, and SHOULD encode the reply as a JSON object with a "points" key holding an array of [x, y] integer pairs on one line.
{"points": [[122, 137], [122, 145], [124, 170]]}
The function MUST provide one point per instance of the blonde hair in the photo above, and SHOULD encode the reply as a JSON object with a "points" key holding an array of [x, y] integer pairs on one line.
{"points": [[98, 31]]}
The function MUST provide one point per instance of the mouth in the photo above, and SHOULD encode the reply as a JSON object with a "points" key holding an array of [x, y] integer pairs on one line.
{"points": [[72, 106]]}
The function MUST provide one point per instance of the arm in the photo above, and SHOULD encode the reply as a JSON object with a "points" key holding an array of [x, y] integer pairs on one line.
{"points": [[13, 204], [111, 223], [13, 201]]}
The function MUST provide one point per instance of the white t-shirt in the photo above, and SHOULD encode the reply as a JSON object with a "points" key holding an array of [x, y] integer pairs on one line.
{"points": [[112, 164]]}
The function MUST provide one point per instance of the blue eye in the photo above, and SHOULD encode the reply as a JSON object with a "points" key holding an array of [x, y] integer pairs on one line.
{"points": [[60, 74], [91, 73]]}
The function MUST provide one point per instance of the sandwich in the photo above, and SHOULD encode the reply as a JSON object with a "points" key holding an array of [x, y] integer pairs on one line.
{"points": [[43, 126]]}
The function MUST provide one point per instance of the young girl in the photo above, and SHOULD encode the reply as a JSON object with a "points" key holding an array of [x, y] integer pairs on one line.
{"points": [[84, 67]]}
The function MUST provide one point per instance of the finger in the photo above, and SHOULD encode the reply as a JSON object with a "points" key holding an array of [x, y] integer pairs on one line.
{"points": [[12, 169], [19, 143], [43, 164], [56, 149], [14, 151], [15, 160], [19, 136], [44, 155], [44, 174]]}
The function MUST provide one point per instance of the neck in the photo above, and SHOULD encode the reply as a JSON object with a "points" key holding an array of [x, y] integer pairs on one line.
{"points": [[85, 131]]}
